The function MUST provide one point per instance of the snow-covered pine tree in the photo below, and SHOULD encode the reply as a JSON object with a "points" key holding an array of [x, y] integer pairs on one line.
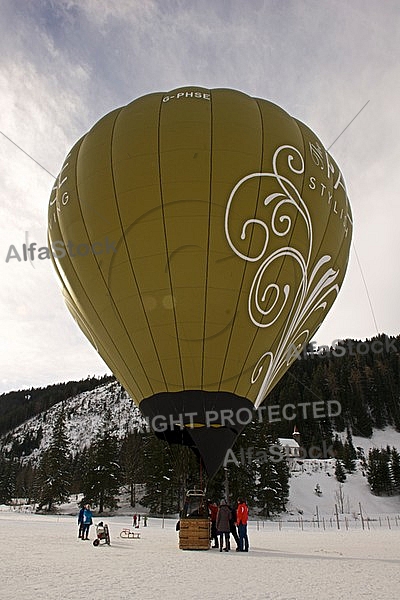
{"points": [[340, 473], [6, 480], [395, 468], [378, 472], [103, 478], [284, 476], [131, 459], [272, 474], [268, 488], [159, 470], [53, 480], [242, 469], [349, 453]]}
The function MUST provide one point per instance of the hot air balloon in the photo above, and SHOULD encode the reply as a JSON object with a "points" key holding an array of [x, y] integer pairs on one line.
{"points": [[200, 236]]}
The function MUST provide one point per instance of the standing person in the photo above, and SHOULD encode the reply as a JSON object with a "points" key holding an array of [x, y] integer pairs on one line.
{"points": [[80, 521], [87, 521], [213, 511], [242, 516], [223, 527], [134, 519], [145, 521], [232, 525]]}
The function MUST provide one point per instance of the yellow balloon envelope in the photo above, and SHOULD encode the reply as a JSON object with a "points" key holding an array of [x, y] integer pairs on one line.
{"points": [[201, 236]]}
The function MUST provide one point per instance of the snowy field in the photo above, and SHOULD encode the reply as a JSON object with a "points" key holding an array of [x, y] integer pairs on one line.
{"points": [[43, 558]]}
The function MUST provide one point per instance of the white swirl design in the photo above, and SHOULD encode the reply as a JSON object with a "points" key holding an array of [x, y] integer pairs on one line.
{"points": [[311, 290]]}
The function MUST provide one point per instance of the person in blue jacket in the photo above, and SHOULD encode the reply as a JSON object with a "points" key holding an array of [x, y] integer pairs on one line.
{"points": [[87, 520]]}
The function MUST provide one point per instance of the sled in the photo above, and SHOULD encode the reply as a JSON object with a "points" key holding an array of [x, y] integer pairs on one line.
{"points": [[127, 533]]}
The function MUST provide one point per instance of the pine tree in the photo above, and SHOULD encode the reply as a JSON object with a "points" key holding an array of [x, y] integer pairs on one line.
{"points": [[103, 477], [349, 453], [242, 468], [385, 465], [340, 473], [53, 480], [268, 488], [378, 472], [395, 469], [163, 492], [272, 476], [131, 460], [7, 480], [79, 468], [241, 477], [216, 488], [25, 477], [337, 447], [283, 476], [373, 474]]}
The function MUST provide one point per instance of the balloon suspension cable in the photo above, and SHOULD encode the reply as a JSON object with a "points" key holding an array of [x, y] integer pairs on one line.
{"points": [[366, 288]]}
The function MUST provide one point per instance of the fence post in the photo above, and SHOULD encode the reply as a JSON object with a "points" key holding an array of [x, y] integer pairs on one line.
{"points": [[361, 515], [337, 516]]}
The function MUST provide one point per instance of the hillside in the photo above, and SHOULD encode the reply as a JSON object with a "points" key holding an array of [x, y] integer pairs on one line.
{"points": [[307, 474], [18, 406], [87, 413]]}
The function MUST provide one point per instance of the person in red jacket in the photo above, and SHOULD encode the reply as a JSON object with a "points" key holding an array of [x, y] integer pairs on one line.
{"points": [[242, 516]]}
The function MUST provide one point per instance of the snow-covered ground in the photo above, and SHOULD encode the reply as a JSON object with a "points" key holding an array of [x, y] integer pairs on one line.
{"points": [[43, 558]]}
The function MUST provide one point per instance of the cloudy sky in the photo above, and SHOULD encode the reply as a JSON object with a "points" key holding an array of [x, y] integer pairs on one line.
{"points": [[65, 63]]}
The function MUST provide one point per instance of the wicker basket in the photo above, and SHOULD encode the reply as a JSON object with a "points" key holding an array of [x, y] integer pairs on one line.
{"points": [[194, 534]]}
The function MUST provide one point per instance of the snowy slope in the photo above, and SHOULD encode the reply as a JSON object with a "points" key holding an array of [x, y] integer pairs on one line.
{"points": [[355, 491], [85, 414]]}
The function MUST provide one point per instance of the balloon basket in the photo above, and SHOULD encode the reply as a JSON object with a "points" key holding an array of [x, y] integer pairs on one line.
{"points": [[195, 534]]}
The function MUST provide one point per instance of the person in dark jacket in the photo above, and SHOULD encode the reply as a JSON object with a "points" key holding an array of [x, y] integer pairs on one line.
{"points": [[232, 525], [224, 516], [80, 521]]}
